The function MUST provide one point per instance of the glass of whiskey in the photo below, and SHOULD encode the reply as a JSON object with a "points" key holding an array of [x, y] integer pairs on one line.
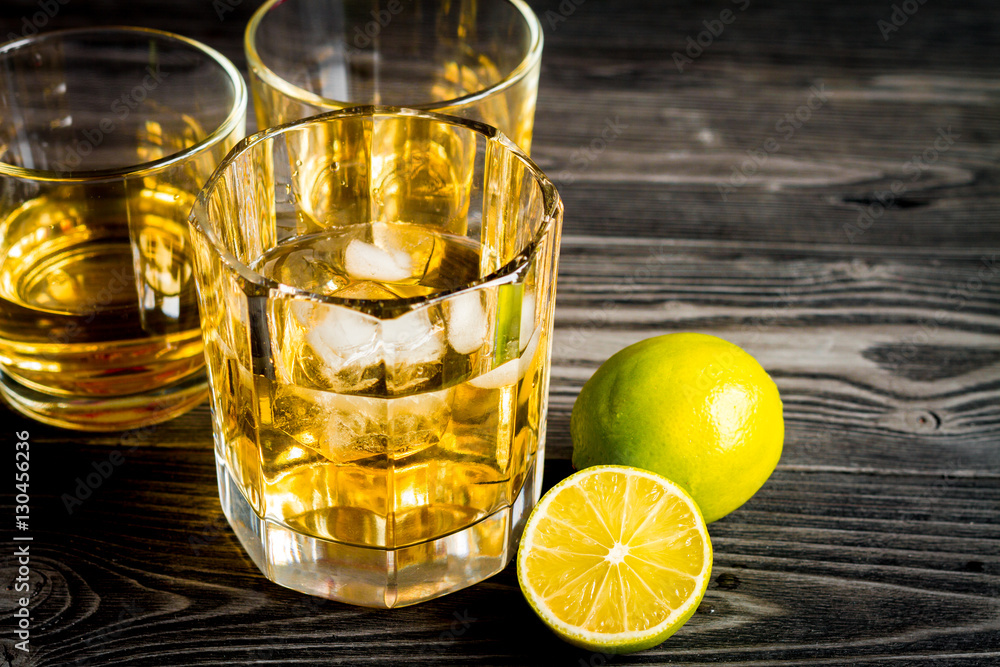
{"points": [[106, 136], [376, 290], [478, 59]]}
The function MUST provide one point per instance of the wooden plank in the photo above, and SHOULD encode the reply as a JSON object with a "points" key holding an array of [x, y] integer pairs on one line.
{"points": [[893, 357], [144, 571]]}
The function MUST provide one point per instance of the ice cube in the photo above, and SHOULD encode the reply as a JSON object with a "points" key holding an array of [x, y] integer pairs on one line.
{"points": [[315, 267], [355, 427], [369, 262], [419, 421], [467, 324], [345, 429], [323, 341], [360, 426], [414, 346], [339, 349], [414, 241], [338, 332], [340, 428], [413, 338]]}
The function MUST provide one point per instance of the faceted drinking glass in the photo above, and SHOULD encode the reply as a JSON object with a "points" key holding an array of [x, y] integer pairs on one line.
{"points": [[379, 373], [475, 59], [106, 136]]}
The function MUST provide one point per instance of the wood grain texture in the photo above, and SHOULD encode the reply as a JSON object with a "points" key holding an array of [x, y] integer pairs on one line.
{"points": [[852, 567], [877, 540]]}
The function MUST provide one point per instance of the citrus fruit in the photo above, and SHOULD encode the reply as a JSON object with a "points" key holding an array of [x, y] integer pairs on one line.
{"points": [[694, 408], [615, 559]]}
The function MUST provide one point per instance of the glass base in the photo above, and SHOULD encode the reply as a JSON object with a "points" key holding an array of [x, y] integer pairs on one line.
{"points": [[106, 413], [373, 577]]}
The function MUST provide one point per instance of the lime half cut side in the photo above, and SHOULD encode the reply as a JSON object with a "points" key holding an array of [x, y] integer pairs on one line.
{"points": [[615, 559]]}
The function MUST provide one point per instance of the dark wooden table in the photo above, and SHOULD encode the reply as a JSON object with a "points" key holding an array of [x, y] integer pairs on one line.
{"points": [[817, 183]]}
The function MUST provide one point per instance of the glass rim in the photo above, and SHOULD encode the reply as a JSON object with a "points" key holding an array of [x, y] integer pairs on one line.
{"points": [[272, 79], [552, 208], [237, 113]]}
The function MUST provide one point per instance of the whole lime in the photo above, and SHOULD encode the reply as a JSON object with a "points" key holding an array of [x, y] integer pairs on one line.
{"points": [[691, 407]]}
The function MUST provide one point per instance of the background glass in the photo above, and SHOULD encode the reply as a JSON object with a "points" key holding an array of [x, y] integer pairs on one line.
{"points": [[477, 60], [380, 381], [106, 135]]}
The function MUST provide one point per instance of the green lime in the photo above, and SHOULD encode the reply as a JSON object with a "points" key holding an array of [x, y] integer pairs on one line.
{"points": [[691, 407]]}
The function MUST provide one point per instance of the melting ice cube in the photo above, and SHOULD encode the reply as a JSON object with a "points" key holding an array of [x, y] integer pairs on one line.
{"points": [[341, 428], [354, 427], [467, 324], [413, 338], [369, 262], [338, 337], [344, 350]]}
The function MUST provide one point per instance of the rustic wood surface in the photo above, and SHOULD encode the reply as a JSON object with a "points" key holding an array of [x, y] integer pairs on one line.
{"points": [[876, 541]]}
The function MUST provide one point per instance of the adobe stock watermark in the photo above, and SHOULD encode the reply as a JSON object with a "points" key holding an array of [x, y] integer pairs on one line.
{"points": [[578, 335], [584, 157], [913, 168], [31, 25], [121, 108], [463, 621], [900, 14], [786, 126], [596, 659], [223, 7], [566, 9], [713, 30], [360, 38]]}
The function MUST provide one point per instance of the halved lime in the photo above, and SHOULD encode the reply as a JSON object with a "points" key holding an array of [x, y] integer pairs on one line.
{"points": [[615, 559]]}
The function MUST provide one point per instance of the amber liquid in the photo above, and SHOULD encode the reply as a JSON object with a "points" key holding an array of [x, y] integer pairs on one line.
{"points": [[374, 434], [74, 320]]}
